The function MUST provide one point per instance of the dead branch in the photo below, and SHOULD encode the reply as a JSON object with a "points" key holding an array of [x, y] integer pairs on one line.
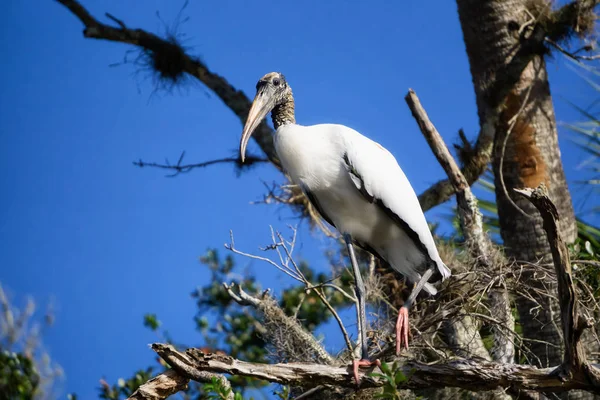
{"points": [[572, 54], [288, 266], [161, 386], [478, 157], [283, 332], [575, 365], [576, 17], [468, 374], [469, 213], [235, 99], [478, 243], [180, 168]]}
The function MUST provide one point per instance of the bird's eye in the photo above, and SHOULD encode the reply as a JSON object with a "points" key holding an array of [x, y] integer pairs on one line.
{"points": [[276, 82]]}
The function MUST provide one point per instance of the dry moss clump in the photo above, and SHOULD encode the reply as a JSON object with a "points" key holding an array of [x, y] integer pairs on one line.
{"points": [[575, 19]]}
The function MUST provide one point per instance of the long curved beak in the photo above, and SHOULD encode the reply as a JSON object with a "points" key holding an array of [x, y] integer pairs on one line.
{"points": [[261, 106]]}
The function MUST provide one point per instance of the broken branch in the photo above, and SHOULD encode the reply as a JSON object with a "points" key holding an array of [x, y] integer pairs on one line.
{"points": [[161, 386], [575, 365]]}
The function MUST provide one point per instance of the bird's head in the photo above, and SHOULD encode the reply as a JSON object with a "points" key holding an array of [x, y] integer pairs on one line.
{"points": [[271, 91]]}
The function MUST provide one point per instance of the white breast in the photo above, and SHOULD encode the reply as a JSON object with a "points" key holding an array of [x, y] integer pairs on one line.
{"points": [[313, 156]]}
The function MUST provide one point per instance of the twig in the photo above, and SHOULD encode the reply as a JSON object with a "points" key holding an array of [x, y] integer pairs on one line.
{"points": [[572, 55], [337, 318], [512, 122], [276, 318], [310, 392], [296, 273], [118, 21], [235, 99], [185, 168]]}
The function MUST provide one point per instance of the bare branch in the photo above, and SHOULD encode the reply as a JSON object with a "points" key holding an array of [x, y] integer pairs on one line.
{"points": [[285, 259], [180, 168], [467, 374], [478, 242], [575, 365], [235, 99], [476, 162], [161, 386], [571, 55], [278, 324]]}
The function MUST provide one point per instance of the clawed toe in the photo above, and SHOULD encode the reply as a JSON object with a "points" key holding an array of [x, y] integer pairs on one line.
{"points": [[362, 363], [402, 330]]}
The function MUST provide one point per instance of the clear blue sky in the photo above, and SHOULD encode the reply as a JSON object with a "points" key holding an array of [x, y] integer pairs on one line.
{"points": [[108, 241]]}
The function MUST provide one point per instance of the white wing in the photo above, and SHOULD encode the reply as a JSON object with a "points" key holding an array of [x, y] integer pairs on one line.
{"points": [[376, 173]]}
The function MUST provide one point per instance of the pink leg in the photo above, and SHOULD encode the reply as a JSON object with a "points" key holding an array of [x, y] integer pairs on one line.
{"points": [[402, 329], [362, 363]]}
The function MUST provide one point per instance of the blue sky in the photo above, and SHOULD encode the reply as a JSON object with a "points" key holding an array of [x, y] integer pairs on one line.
{"points": [[109, 242]]}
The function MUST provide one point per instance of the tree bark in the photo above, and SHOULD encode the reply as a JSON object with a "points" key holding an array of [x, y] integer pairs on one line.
{"points": [[525, 152]]}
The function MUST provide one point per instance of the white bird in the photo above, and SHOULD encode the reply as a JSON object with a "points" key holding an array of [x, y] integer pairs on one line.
{"points": [[359, 188]]}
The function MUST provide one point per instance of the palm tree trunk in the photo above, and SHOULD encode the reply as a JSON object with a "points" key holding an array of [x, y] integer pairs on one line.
{"points": [[525, 154]]}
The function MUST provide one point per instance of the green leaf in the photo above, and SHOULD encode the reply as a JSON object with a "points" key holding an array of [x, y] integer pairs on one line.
{"points": [[151, 322]]}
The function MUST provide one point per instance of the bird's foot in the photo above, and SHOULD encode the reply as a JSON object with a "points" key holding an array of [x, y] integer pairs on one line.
{"points": [[402, 329], [362, 363]]}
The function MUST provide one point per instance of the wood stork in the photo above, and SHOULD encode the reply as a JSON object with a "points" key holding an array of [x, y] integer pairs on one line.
{"points": [[359, 188]]}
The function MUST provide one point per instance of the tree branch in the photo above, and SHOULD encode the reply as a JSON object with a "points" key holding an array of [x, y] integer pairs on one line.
{"points": [[181, 169], [284, 333], [572, 55], [235, 99], [467, 374], [161, 386], [575, 365], [478, 243], [564, 22]]}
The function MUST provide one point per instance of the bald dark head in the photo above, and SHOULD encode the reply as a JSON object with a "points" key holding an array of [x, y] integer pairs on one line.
{"points": [[272, 93], [275, 79]]}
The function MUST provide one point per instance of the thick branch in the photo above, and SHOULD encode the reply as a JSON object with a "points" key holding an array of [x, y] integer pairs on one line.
{"points": [[235, 99], [161, 386], [573, 324], [467, 374]]}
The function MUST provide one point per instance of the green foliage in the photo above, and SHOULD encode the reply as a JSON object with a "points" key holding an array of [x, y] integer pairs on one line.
{"points": [[226, 326], [151, 322], [393, 377], [586, 262], [312, 311], [215, 390], [26, 369], [284, 393], [234, 329], [18, 376]]}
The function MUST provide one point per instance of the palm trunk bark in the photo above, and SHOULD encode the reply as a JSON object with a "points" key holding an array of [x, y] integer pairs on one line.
{"points": [[525, 153]]}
